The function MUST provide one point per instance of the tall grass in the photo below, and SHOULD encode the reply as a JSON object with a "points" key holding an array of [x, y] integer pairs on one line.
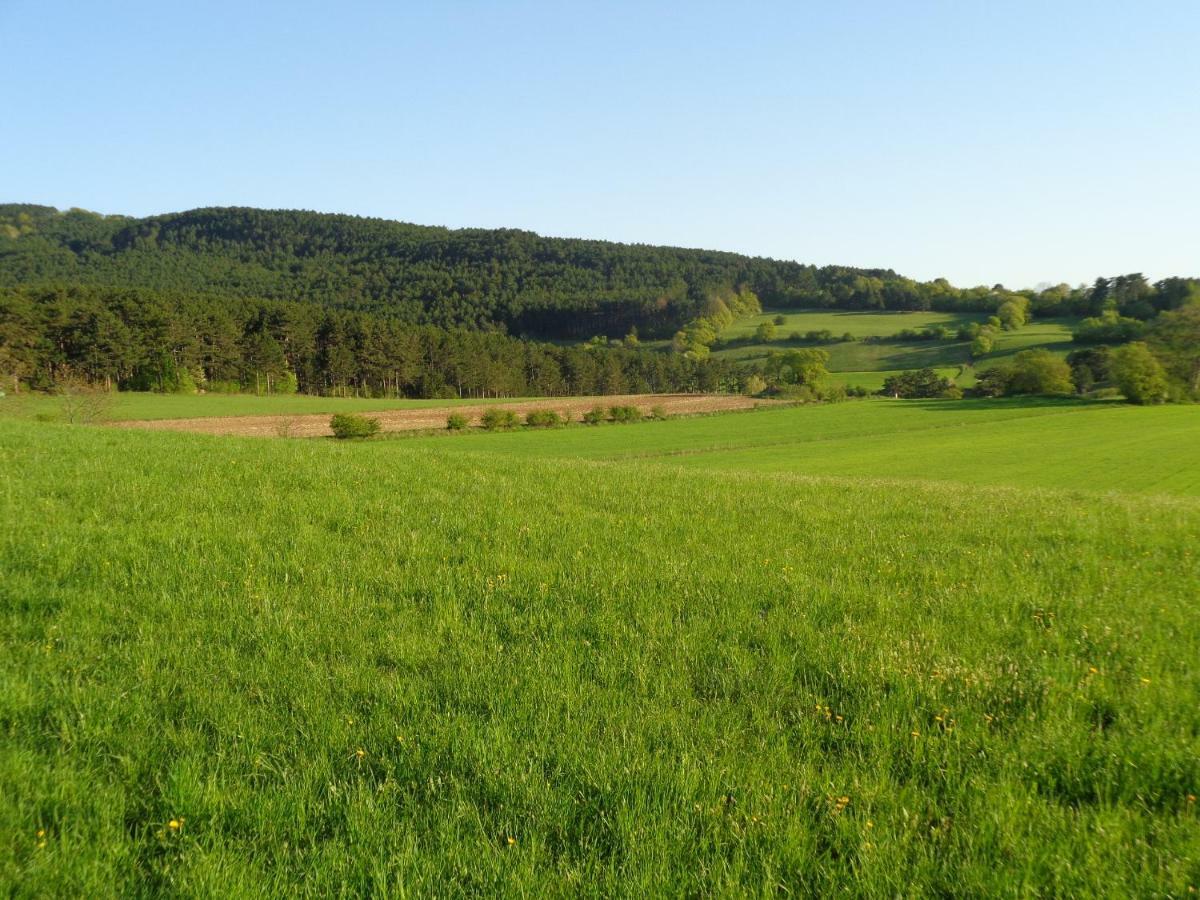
{"points": [[386, 668]]}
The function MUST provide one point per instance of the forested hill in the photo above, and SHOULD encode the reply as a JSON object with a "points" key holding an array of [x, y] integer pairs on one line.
{"points": [[477, 278]]}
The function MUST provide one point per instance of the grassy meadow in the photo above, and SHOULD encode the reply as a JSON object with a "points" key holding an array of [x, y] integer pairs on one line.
{"points": [[860, 364], [858, 323], [881, 648]]}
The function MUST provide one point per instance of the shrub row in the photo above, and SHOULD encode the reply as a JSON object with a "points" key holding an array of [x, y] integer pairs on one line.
{"points": [[505, 419]]}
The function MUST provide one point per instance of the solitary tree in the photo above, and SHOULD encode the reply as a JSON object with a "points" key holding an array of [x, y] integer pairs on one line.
{"points": [[1138, 374], [1040, 372], [1013, 313], [982, 345]]}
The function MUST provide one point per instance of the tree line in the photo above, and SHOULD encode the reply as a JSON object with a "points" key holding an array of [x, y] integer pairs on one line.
{"points": [[134, 339]]}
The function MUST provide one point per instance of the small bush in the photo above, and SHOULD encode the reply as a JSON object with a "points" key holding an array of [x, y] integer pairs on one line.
{"points": [[754, 385], [797, 393], [594, 416], [496, 419], [285, 426], [658, 412], [624, 413], [833, 393], [543, 418], [780, 320], [765, 332], [456, 422], [81, 403], [349, 425]]}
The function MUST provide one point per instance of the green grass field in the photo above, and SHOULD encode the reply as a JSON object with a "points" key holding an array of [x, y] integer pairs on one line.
{"points": [[881, 648], [1047, 443], [858, 324], [133, 405], [856, 363]]}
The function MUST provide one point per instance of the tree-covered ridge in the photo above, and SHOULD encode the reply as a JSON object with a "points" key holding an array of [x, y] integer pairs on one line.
{"points": [[145, 340], [478, 278], [418, 274]]}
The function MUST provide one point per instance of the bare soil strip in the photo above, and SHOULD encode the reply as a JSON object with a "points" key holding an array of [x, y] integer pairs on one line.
{"points": [[317, 424]]}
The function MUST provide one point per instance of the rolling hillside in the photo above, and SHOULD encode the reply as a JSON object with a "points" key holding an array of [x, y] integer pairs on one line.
{"points": [[873, 351]]}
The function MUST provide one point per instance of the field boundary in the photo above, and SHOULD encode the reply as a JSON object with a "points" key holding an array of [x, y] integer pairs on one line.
{"points": [[434, 417]]}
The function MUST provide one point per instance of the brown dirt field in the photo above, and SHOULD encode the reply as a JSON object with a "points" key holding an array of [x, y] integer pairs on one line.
{"points": [[317, 424]]}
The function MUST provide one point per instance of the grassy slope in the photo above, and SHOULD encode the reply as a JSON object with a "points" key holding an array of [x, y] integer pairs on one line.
{"points": [[649, 679], [182, 406], [858, 363], [1049, 443], [859, 324]]}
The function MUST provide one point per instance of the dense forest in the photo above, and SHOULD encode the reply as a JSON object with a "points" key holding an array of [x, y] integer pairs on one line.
{"points": [[142, 340], [474, 278]]}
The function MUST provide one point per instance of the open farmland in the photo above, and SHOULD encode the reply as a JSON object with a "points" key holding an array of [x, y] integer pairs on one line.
{"points": [[1029, 443], [486, 665]]}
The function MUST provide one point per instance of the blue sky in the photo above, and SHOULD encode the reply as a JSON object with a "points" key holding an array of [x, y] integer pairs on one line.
{"points": [[985, 142]]}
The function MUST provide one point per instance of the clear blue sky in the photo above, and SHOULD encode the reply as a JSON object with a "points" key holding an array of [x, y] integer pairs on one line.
{"points": [[992, 141]]}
